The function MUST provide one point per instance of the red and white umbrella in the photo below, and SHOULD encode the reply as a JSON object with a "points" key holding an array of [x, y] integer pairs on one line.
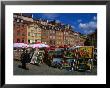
{"points": [[35, 45], [47, 46], [40, 45], [44, 45], [20, 45]]}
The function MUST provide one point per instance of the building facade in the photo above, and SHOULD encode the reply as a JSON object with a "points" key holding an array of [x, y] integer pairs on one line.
{"points": [[34, 33], [31, 33], [44, 34], [20, 33], [20, 27], [27, 30], [51, 35]]}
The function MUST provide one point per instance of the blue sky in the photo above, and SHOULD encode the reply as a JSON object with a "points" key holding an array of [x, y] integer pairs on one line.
{"points": [[84, 23]]}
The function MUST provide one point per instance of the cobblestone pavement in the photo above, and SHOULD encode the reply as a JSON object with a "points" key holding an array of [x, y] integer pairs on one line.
{"points": [[43, 69]]}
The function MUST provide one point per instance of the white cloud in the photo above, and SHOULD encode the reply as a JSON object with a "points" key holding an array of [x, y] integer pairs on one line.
{"points": [[73, 27], [83, 25], [94, 18], [92, 25], [88, 27]]}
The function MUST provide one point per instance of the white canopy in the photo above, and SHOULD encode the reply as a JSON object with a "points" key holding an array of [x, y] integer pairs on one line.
{"points": [[20, 45], [38, 45]]}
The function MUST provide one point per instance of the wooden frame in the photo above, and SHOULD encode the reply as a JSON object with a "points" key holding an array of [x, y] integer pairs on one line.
{"points": [[3, 48]]}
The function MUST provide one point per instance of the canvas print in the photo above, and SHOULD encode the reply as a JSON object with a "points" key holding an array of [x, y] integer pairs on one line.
{"points": [[55, 43]]}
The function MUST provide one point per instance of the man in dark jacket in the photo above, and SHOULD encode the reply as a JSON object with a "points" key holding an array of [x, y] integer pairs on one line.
{"points": [[25, 58]]}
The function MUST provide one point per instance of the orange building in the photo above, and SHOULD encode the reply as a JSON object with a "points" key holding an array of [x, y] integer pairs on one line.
{"points": [[20, 32], [20, 24], [59, 38]]}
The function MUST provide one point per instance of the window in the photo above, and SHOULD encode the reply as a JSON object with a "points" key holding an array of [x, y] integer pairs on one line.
{"points": [[23, 40], [28, 33], [35, 40], [18, 33], [18, 40], [39, 29], [43, 27], [18, 26], [22, 25], [50, 36], [25, 25], [53, 37], [23, 34], [32, 31], [35, 34], [46, 32], [49, 27], [28, 41], [53, 31], [38, 34], [18, 20], [32, 34], [21, 20], [67, 33]]}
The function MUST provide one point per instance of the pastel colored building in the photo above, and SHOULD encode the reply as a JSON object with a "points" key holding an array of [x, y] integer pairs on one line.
{"points": [[51, 35], [44, 34], [27, 30], [20, 26], [59, 37], [20, 33], [34, 33]]}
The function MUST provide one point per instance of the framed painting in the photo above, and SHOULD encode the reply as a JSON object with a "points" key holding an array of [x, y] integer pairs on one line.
{"points": [[54, 42]]}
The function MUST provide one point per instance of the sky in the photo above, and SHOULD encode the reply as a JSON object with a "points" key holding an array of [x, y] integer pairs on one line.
{"points": [[84, 23]]}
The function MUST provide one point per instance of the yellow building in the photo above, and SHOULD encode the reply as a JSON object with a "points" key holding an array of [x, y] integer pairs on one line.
{"points": [[37, 33], [45, 35], [34, 33]]}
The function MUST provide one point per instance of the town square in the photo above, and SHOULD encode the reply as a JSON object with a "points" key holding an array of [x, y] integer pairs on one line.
{"points": [[55, 43]]}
